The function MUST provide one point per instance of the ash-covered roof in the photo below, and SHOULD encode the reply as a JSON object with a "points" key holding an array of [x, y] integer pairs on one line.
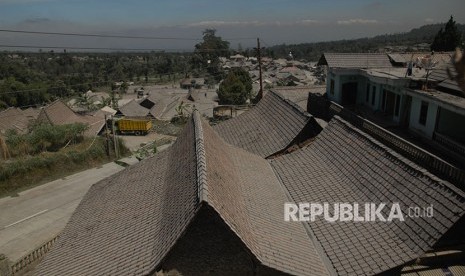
{"points": [[133, 109], [268, 128], [346, 165], [355, 60], [128, 223], [16, 119], [58, 113]]}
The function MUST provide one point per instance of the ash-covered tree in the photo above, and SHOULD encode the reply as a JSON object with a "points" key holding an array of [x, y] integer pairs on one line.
{"points": [[208, 52], [447, 39], [236, 88]]}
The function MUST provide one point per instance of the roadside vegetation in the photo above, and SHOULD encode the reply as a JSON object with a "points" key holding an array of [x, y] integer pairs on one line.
{"points": [[47, 153]]}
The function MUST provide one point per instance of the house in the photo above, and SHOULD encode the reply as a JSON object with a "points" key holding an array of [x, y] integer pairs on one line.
{"points": [[379, 84], [269, 128], [108, 110], [237, 58], [17, 119], [176, 204], [133, 110], [344, 164], [299, 94], [58, 113], [196, 83], [208, 207]]}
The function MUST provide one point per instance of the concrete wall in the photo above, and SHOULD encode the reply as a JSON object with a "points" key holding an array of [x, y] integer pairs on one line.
{"points": [[336, 97], [342, 78], [452, 125], [5, 269], [427, 129]]}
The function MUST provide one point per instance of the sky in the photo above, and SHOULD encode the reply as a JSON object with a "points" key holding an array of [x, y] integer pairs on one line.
{"points": [[239, 21]]}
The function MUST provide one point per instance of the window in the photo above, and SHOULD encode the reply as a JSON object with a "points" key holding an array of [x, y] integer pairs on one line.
{"points": [[373, 94], [331, 87], [396, 112], [423, 112], [367, 97]]}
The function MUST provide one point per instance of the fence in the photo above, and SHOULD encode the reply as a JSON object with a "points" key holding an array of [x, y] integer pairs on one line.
{"points": [[33, 256], [412, 152], [449, 143]]}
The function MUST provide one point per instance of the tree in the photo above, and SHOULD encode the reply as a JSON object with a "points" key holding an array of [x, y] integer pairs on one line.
{"points": [[236, 88], [124, 87], [448, 39], [208, 51]]}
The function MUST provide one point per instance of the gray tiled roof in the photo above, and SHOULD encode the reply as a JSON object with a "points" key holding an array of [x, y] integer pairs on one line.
{"points": [[15, 119], [355, 60], [127, 224], [440, 59], [445, 77], [344, 164], [133, 109], [58, 113], [299, 94], [269, 127]]}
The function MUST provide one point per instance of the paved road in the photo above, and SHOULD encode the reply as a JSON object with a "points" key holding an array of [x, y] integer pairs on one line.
{"points": [[39, 214]]}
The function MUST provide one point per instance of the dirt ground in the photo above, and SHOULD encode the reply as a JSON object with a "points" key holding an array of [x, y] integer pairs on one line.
{"points": [[135, 142]]}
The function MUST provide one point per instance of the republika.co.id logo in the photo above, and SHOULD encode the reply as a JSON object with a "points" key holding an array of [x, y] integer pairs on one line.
{"points": [[366, 212]]}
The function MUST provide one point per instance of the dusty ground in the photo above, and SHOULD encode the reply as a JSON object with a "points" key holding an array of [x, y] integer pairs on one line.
{"points": [[135, 142], [37, 215]]}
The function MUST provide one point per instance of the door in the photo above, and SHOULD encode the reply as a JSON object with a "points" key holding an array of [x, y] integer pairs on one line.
{"points": [[349, 93]]}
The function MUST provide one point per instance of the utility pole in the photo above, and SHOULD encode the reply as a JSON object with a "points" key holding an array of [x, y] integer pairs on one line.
{"points": [[114, 136], [259, 57], [107, 140]]}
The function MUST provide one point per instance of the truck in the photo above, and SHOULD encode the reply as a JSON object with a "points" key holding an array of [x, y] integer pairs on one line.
{"points": [[133, 126]]}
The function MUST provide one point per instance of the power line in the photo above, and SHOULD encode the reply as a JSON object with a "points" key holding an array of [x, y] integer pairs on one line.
{"points": [[116, 36], [99, 35], [81, 48], [109, 48]]}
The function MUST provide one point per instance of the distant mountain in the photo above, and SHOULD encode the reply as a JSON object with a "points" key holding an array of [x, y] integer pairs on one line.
{"points": [[418, 39]]}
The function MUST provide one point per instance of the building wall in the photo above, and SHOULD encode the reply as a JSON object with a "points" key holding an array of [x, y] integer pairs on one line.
{"points": [[452, 125], [427, 129], [336, 97], [342, 78], [209, 247]]}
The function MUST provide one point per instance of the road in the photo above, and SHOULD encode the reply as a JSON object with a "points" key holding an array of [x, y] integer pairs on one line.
{"points": [[39, 214]]}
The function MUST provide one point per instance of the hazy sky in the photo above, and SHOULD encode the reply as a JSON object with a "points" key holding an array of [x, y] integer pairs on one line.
{"points": [[274, 21]]}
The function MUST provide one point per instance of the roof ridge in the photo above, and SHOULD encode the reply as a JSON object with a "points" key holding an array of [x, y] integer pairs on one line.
{"points": [[200, 155], [410, 165], [292, 104]]}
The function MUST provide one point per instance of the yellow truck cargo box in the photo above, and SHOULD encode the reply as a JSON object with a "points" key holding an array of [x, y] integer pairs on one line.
{"points": [[137, 127]]}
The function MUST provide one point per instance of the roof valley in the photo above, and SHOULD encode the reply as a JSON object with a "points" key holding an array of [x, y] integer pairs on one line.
{"points": [[311, 235]]}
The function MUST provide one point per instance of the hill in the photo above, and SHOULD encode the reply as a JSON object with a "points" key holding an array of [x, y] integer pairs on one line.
{"points": [[418, 39]]}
